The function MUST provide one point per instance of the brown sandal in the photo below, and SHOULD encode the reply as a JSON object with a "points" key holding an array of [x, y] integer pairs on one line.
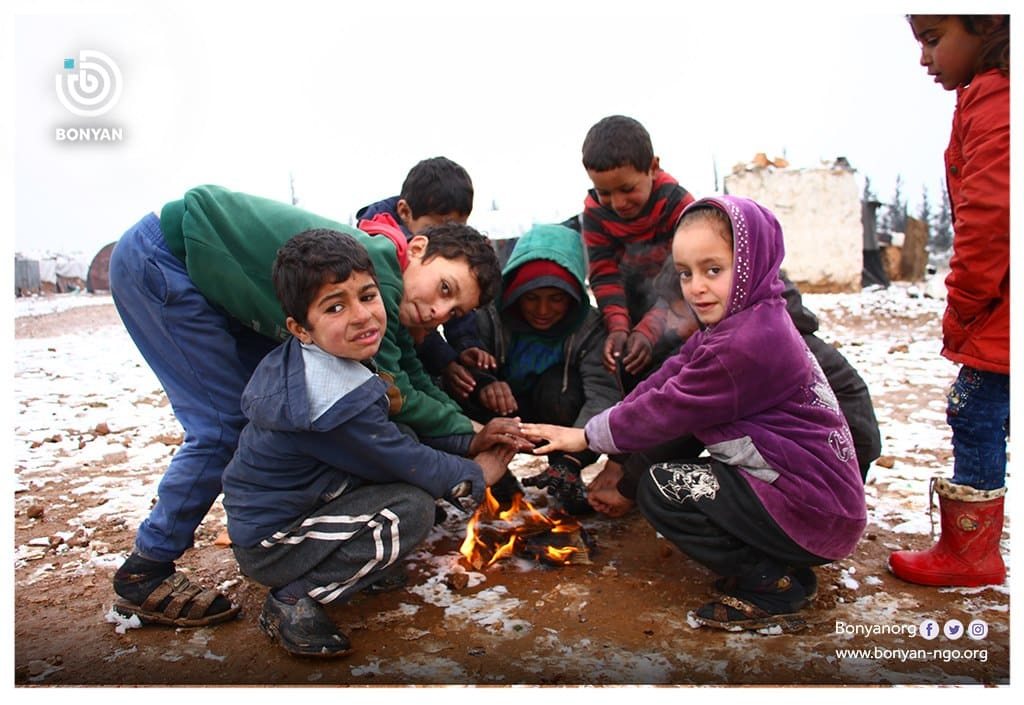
{"points": [[187, 606], [717, 614]]}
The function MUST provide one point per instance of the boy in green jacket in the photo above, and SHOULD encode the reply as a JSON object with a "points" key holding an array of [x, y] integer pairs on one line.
{"points": [[193, 288]]}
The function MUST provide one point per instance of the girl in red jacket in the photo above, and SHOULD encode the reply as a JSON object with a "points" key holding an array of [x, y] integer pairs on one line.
{"points": [[971, 55]]}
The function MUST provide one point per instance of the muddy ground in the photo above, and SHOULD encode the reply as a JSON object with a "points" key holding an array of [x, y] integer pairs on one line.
{"points": [[622, 619]]}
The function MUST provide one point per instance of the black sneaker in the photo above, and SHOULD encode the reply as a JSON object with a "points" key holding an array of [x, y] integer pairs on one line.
{"points": [[563, 482], [302, 629]]}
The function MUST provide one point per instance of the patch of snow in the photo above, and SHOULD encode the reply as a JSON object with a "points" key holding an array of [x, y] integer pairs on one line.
{"points": [[122, 623], [40, 305]]}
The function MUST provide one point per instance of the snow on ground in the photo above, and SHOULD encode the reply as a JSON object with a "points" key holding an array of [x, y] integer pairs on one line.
{"points": [[88, 398]]}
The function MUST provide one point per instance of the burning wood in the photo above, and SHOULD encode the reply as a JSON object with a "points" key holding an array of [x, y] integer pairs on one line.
{"points": [[521, 530]]}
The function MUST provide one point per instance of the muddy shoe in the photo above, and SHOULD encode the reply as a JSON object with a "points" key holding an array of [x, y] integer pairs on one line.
{"points": [[302, 629]]}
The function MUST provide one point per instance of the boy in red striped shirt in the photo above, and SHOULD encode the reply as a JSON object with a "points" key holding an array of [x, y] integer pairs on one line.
{"points": [[629, 218]]}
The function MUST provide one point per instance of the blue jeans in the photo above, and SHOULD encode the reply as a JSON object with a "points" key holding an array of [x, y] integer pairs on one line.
{"points": [[978, 411], [203, 359]]}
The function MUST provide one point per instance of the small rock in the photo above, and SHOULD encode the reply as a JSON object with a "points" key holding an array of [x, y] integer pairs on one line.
{"points": [[35, 511], [115, 458], [78, 540], [903, 347], [665, 550], [101, 429], [457, 581], [886, 461]]}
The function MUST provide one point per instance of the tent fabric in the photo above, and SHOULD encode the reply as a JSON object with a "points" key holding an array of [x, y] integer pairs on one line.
{"points": [[99, 270]]}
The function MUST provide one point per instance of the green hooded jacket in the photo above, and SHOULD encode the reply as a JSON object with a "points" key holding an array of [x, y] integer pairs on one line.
{"points": [[583, 343], [228, 242]]}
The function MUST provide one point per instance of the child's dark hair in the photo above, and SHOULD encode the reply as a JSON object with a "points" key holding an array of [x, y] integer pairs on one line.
{"points": [[438, 186], [617, 141], [995, 45], [308, 261], [460, 241]]}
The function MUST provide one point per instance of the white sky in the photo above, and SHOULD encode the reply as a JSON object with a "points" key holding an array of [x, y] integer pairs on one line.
{"points": [[349, 99]]}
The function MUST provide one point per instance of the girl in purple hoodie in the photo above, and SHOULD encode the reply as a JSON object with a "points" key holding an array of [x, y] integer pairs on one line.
{"points": [[778, 489]]}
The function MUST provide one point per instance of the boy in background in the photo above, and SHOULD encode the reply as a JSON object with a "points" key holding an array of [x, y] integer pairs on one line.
{"points": [[324, 494], [629, 218], [435, 191], [193, 289]]}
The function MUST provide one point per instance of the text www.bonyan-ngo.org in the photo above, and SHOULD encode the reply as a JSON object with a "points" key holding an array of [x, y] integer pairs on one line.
{"points": [[903, 655]]}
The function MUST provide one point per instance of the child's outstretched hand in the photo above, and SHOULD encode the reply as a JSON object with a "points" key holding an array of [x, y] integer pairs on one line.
{"points": [[551, 438], [500, 431]]}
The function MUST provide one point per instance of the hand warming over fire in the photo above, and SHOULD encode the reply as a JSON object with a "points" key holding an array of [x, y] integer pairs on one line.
{"points": [[552, 438], [500, 431], [494, 462]]}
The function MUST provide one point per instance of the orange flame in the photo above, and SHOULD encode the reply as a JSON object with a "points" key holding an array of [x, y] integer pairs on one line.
{"points": [[493, 534]]}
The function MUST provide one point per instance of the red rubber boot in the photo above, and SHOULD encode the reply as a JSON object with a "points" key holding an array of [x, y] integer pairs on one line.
{"points": [[967, 553]]}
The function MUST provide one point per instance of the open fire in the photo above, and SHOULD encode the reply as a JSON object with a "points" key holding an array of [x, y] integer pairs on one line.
{"points": [[493, 533]]}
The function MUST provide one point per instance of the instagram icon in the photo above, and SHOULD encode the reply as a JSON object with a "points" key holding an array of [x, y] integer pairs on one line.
{"points": [[977, 629]]}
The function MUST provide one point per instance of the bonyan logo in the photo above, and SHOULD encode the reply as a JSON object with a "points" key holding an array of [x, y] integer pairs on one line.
{"points": [[93, 88]]}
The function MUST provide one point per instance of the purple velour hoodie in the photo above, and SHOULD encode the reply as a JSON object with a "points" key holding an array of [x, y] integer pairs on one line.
{"points": [[752, 392]]}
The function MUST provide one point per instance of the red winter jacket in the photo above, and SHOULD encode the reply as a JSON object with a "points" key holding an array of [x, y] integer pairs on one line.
{"points": [[976, 325]]}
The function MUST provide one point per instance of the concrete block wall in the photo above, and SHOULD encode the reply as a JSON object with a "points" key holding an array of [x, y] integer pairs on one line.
{"points": [[820, 214]]}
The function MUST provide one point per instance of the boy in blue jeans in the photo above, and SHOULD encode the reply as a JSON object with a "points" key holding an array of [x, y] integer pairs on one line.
{"points": [[435, 191], [324, 494], [193, 289]]}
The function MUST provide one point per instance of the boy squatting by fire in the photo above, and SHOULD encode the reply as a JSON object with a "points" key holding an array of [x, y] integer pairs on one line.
{"points": [[193, 289], [781, 491], [324, 494]]}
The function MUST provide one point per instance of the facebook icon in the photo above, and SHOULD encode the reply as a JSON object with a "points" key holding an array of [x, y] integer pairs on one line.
{"points": [[929, 629]]}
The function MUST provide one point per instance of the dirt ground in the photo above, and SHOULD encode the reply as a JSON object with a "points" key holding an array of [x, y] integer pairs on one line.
{"points": [[620, 620]]}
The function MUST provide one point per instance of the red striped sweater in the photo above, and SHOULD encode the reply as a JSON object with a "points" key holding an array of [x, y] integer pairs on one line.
{"points": [[626, 255]]}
